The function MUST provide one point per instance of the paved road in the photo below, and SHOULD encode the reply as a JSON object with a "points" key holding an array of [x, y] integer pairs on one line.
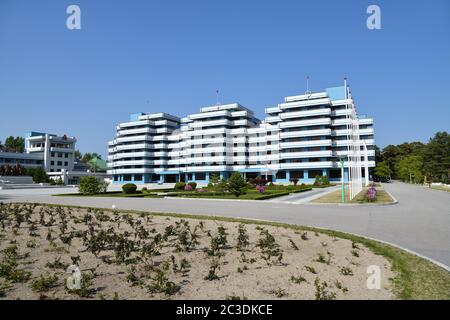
{"points": [[420, 222]]}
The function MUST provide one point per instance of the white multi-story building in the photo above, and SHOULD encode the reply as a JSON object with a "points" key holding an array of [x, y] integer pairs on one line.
{"points": [[140, 152], [301, 138], [57, 152]]}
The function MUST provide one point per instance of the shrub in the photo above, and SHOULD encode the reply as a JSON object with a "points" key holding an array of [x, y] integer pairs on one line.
{"points": [[44, 283], [193, 184], [260, 188], [371, 194], [144, 189], [39, 175], [180, 185], [89, 185], [188, 187], [259, 181], [321, 181], [129, 188], [294, 181], [236, 184]]}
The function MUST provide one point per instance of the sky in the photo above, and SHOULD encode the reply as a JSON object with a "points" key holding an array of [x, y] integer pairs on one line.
{"points": [[171, 56]]}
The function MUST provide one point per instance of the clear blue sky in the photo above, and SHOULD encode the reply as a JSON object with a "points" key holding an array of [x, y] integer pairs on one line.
{"points": [[175, 54]]}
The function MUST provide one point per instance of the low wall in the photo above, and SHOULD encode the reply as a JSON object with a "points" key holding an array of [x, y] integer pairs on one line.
{"points": [[16, 180]]}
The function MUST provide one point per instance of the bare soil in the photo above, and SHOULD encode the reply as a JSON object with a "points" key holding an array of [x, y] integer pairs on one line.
{"points": [[132, 256]]}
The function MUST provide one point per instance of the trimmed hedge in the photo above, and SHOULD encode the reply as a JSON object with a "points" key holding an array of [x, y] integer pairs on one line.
{"points": [[129, 188], [301, 190], [180, 185], [272, 195]]}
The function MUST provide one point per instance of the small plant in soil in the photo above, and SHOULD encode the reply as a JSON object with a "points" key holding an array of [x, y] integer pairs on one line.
{"points": [[355, 253], [9, 266], [340, 286], [322, 292], [346, 271], [293, 245], [44, 283], [235, 298], [298, 279], [311, 269], [304, 236], [4, 287], [279, 293], [182, 267], [57, 264], [213, 267], [324, 259], [160, 282], [132, 277], [31, 244], [243, 238], [217, 243], [270, 250]]}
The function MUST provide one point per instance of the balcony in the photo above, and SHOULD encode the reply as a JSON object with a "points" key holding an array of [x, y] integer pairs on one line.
{"points": [[122, 132], [307, 165], [308, 113], [305, 103], [306, 133], [301, 144], [306, 154], [305, 123], [66, 150], [116, 164]]}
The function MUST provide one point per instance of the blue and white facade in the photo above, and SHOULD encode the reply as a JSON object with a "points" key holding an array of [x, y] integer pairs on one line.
{"points": [[300, 138]]}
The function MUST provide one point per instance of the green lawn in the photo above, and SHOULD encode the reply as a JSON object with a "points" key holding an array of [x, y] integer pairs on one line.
{"points": [[336, 197], [441, 188], [251, 194], [114, 194]]}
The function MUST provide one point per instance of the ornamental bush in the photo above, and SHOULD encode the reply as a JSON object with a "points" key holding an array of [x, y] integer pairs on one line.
{"points": [[180, 185], [321, 181], [260, 189], [129, 188], [188, 187], [237, 184], [371, 194], [193, 184], [89, 185]]}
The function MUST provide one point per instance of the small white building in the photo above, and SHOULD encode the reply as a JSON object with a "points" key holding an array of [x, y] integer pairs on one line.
{"points": [[57, 152]]}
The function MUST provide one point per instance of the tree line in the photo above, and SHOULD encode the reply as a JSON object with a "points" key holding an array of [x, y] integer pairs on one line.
{"points": [[415, 162]]}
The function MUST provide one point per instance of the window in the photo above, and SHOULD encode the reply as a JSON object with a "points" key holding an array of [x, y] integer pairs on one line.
{"points": [[52, 154], [296, 174], [52, 163], [313, 173], [60, 155], [335, 173], [66, 163], [200, 176], [281, 175], [138, 177], [59, 163], [66, 155]]}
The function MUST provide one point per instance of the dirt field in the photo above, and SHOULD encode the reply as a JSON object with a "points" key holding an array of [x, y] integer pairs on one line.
{"points": [[132, 256]]}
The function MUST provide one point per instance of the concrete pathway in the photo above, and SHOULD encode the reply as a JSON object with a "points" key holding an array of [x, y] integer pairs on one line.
{"points": [[419, 222]]}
